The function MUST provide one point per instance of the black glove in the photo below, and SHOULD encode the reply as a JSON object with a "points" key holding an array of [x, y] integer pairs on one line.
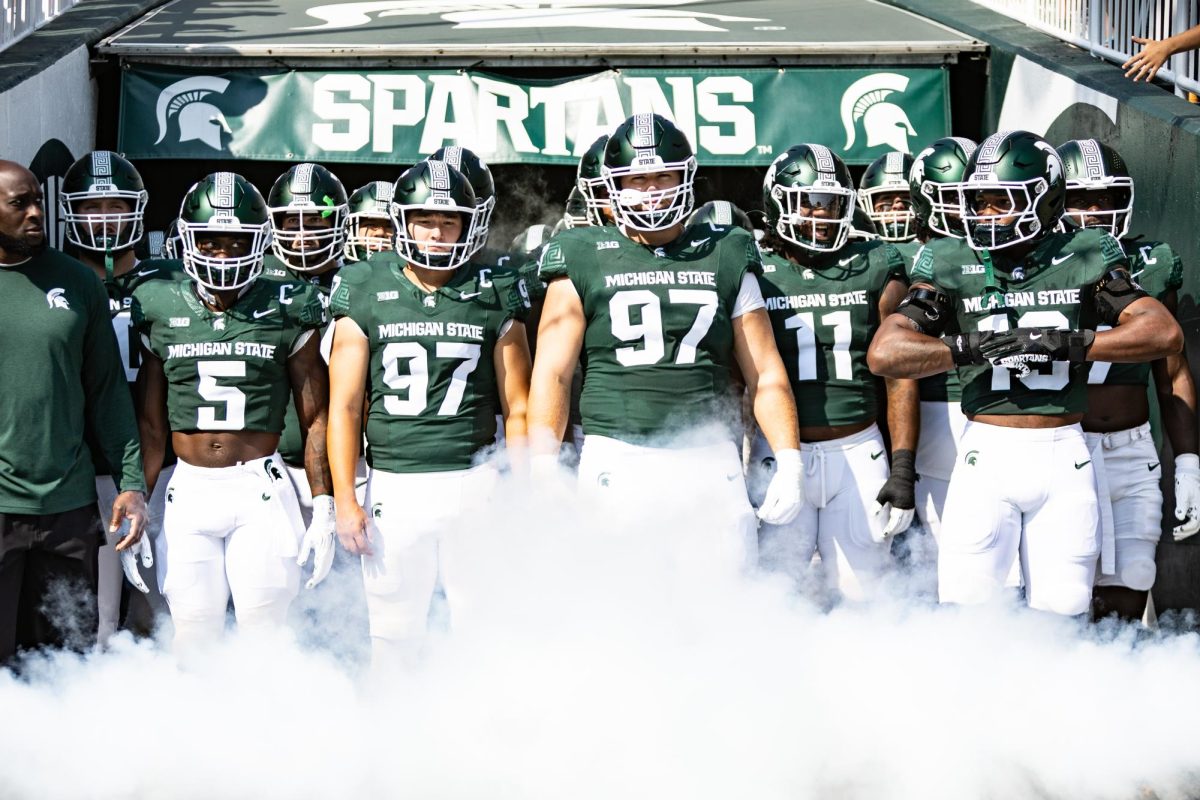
{"points": [[1028, 349], [965, 347], [898, 489]]}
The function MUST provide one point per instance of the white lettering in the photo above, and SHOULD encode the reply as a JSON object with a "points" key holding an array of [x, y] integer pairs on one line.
{"points": [[387, 116], [356, 116], [742, 139]]}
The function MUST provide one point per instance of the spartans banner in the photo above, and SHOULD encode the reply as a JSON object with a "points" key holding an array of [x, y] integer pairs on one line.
{"points": [[732, 117]]}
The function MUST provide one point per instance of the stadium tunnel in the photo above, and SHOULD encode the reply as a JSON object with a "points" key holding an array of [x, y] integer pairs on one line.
{"points": [[368, 88]]}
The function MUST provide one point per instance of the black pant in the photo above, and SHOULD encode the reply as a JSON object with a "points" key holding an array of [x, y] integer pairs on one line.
{"points": [[48, 580]]}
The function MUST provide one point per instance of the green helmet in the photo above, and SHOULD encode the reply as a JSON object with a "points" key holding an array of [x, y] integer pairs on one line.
{"points": [[480, 178], [102, 175], [221, 205], [721, 213], [308, 190], [649, 143], [435, 186], [886, 175], [1093, 170], [591, 183], [862, 228], [531, 240], [932, 185], [171, 240], [1026, 175], [575, 212], [369, 205], [803, 179]]}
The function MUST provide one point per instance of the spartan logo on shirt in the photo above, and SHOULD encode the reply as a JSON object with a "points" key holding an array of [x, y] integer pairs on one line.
{"points": [[870, 101], [185, 101], [55, 299]]}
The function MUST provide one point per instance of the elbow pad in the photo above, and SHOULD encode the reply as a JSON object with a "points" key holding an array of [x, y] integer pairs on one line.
{"points": [[1114, 293], [929, 309]]}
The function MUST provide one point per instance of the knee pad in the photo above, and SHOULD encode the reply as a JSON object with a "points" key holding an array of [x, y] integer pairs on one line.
{"points": [[1135, 564], [1067, 601]]}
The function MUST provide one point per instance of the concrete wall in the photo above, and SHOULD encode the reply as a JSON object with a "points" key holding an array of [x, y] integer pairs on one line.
{"points": [[58, 102]]}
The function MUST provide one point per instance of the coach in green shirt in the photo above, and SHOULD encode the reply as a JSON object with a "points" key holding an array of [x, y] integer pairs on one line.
{"points": [[61, 375]]}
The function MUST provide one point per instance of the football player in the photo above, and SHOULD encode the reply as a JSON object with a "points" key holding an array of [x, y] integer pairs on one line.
{"points": [[932, 186], [369, 221], [434, 349], [722, 214], [590, 183], [825, 296], [1117, 422], [862, 229], [661, 314], [103, 204], [309, 214], [883, 192], [1028, 303], [575, 211], [222, 353], [171, 241]]}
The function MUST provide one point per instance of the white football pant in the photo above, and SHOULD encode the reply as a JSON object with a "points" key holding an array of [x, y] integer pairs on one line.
{"points": [[420, 531], [229, 530], [841, 478], [1129, 485], [942, 426], [1027, 493], [699, 488]]}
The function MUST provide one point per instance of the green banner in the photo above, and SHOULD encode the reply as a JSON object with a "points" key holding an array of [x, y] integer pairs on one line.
{"points": [[732, 117]]}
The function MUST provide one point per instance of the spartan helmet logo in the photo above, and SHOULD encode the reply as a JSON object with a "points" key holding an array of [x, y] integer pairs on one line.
{"points": [[884, 122], [197, 119], [1054, 165]]}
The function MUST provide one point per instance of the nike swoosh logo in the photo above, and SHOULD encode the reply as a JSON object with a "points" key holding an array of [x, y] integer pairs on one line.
{"points": [[146, 272], [1151, 467], [698, 242], [261, 314], [844, 262], [1060, 259], [874, 456], [465, 296], [1084, 464], [1033, 336], [1139, 272]]}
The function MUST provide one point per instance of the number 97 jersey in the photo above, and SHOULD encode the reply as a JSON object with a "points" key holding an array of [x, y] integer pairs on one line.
{"points": [[226, 371], [658, 346]]}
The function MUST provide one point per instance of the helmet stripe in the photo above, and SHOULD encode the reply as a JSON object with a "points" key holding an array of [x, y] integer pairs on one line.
{"points": [[452, 155], [102, 164], [302, 179], [824, 159], [384, 191], [1093, 159], [968, 146], [643, 131], [722, 212], [439, 176], [223, 183]]}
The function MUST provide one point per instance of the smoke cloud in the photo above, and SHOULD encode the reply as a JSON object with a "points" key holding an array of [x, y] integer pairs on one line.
{"points": [[603, 657]]}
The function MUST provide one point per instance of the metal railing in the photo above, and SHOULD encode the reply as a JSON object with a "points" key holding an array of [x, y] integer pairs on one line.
{"points": [[23, 17], [1106, 27]]}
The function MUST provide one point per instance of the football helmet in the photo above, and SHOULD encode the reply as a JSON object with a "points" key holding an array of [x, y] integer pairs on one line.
{"points": [[721, 213], [436, 186], [531, 240], [369, 205], [591, 183], [308, 190], [862, 229], [888, 174], [101, 175], [480, 177], [1094, 167], [932, 184], [808, 177], [575, 212], [649, 143], [223, 204], [171, 240], [1024, 174]]}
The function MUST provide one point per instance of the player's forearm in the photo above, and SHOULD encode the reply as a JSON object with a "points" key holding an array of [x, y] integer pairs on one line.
{"points": [[342, 438], [903, 413], [154, 451], [1142, 336], [316, 456], [549, 407], [775, 411], [898, 351], [1177, 402]]}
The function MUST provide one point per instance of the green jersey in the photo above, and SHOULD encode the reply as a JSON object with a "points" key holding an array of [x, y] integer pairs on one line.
{"points": [[63, 380], [1051, 287], [942, 388], [120, 300], [291, 440], [432, 393], [658, 346], [823, 316], [226, 371], [1156, 267]]}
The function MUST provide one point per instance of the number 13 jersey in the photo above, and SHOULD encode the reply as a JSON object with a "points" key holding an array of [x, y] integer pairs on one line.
{"points": [[658, 346]]}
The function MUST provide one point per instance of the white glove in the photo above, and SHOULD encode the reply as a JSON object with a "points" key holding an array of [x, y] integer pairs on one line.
{"points": [[785, 492], [320, 539], [898, 521], [1187, 495], [129, 565]]}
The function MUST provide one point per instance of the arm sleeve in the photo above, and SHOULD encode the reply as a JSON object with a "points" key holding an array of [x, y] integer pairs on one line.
{"points": [[108, 406], [896, 266], [553, 262], [749, 297]]}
